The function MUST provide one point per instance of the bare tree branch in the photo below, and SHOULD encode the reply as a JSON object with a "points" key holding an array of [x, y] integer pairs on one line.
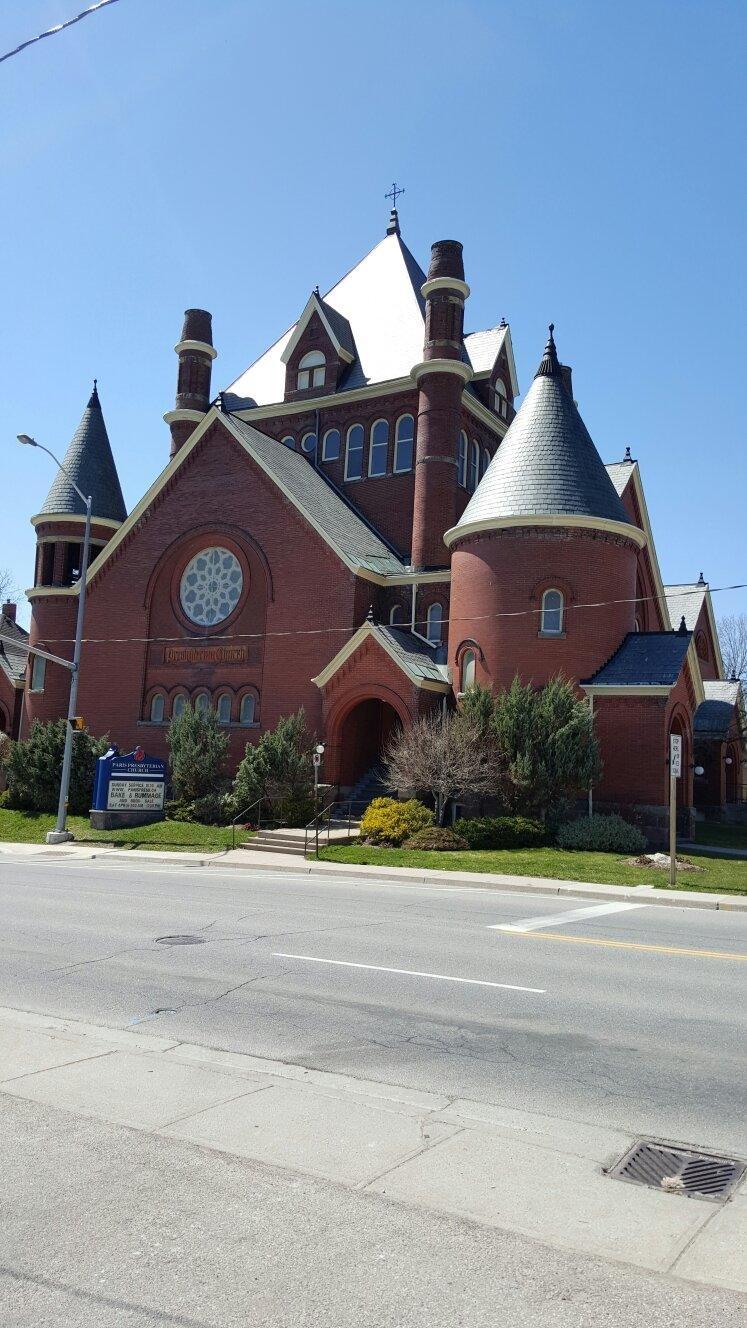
{"points": [[732, 631], [444, 756], [8, 588]]}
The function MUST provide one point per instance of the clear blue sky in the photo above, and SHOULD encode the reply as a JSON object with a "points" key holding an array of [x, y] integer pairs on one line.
{"points": [[231, 154]]}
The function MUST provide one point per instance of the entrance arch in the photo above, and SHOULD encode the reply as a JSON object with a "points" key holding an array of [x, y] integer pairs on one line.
{"points": [[363, 735]]}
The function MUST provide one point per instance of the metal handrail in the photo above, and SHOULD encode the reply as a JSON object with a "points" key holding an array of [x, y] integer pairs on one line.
{"points": [[242, 815], [325, 817]]}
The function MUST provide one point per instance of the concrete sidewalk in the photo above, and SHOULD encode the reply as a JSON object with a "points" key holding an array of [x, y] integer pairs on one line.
{"points": [[262, 863], [537, 1175]]}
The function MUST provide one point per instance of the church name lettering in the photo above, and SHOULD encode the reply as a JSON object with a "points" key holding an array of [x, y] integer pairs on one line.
{"points": [[205, 655]]}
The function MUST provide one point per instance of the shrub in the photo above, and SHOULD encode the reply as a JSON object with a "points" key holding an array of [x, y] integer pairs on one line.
{"points": [[547, 746], [279, 769], [33, 769], [436, 838], [387, 821], [198, 746], [213, 809], [502, 832], [602, 834]]}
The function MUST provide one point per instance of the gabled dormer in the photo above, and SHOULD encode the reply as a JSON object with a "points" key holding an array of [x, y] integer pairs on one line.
{"points": [[319, 351], [494, 378]]}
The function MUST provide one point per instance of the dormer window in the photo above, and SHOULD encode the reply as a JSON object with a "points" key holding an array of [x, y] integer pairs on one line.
{"points": [[499, 398], [311, 371]]}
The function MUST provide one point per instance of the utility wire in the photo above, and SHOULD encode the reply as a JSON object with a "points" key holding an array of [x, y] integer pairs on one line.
{"points": [[216, 638], [59, 27]]}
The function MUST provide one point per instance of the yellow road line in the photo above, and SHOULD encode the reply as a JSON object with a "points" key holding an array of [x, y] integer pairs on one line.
{"points": [[629, 945]]}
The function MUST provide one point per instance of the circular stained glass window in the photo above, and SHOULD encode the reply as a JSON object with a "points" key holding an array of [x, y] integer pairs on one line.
{"points": [[211, 586]]}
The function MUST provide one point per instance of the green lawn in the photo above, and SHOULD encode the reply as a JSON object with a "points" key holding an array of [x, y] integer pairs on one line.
{"points": [[183, 836], [721, 835], [720, 875]]}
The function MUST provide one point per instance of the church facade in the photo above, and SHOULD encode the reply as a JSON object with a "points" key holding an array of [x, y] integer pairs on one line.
{"points": [[362, 524]]}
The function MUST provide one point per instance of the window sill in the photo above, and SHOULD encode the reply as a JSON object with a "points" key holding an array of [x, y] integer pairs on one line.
{"points": [[552, 636]]}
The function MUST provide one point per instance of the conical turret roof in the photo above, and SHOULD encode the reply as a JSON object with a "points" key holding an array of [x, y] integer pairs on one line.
{"points": [[89, 462], [547, 465]]}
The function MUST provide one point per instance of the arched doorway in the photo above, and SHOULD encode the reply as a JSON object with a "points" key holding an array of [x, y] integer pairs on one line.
{"points": [[364, 735]]}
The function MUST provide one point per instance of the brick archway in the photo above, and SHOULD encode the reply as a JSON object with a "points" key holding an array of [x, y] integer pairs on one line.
{"points": [[358, 732]]}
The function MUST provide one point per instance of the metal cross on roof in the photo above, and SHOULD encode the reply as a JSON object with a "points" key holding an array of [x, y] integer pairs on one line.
{"points": [[394, 193]]}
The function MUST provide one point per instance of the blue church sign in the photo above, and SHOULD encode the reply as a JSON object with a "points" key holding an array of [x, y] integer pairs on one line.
{"points": [[128, 789]]}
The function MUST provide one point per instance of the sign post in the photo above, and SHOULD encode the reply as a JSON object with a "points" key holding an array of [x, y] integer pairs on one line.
{"points": [[675, 770], [128, 790]]}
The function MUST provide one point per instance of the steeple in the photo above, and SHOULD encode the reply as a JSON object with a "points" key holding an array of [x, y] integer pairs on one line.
{"points": [[549, 366], [90, 464]]}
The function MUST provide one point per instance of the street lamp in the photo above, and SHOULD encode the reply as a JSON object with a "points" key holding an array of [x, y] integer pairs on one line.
{"points": [[61, 833]]}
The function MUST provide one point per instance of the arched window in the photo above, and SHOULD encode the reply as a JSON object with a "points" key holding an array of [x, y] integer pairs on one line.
{"points": [[354, 452], [308, 443], [331, 445], [435, 623], [157, 707], [499, 398], [379, 450], [224, 708], [552, 613], [246, 714], [404, 444], [474, 466], [485, 460], [462, 470], [311, 371], [202, 703], [289, 441], [396, 615], [179, 706], [467, 671]]}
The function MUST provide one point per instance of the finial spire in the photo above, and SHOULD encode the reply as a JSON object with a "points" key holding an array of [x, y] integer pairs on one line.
{"points": [[701, 580], [549, 366], [93, 400], [627, 456], [682, 629], [370, 615], [394, 193]]}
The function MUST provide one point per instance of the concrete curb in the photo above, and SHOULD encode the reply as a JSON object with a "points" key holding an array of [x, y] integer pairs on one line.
{"points": [[272, 863]]}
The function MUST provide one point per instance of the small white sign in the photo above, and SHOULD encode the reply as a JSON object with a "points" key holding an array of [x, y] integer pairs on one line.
{"points": [[136, 795], [316, 758], [675, 755]]}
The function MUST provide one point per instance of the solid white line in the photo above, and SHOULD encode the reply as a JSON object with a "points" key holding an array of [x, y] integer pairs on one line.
{"points": [[560, 919], [407, 972]]}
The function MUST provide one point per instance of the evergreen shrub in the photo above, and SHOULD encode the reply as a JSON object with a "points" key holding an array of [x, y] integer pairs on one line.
{"points": [[482, 832], [280, 770], [602, 834], [198, 747], [388, 821], [436, 838], [33, 769]]}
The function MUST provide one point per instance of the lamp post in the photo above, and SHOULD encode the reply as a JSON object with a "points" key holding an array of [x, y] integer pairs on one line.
{"points": [[61, 833]]}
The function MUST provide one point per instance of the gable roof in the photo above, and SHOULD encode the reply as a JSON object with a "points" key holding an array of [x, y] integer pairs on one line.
{"points": [[483, 349], [354, 542], [380, 301], [685, 601], [546, 467], [715, 715], [335, 324], [90, 464], [621, 473], [645, 659], [414, 656], [14, 648]]}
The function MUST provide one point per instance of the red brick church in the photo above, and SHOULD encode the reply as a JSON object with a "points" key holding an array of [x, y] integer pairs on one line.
{"points": [[362, 524]]}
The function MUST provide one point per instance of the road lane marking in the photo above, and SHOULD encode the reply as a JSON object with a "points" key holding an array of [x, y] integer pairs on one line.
{"points": [[629, 945], [408, 972], [560, 919]]}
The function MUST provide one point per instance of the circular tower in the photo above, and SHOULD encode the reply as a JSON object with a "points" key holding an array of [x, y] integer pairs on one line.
{"points": [[543, 540]]}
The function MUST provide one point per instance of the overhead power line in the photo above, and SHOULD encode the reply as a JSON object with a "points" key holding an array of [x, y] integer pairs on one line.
{"points": [[59, 27], [216, 638]]}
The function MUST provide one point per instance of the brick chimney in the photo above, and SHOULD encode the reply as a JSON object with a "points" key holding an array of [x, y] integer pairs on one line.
{"points": [[196, 354], [9, 610], [440, 377]]}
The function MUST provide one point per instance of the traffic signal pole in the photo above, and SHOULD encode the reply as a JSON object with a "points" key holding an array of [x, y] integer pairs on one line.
{"points": [[61, 833]]}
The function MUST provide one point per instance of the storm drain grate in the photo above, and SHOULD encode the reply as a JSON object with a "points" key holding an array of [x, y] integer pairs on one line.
{"points": [[180, 940], [679, 1170]]}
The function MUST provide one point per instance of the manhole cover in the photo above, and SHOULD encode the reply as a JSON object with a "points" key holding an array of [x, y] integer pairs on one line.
{"points": [[180, 940], [679, 1170]]}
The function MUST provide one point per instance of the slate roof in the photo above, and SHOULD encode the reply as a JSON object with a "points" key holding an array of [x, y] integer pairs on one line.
{"points": [[323, 506], [620, 473], [714, 716], [378, 314], [89, 462], [547, 464], [645, 659], [685, 601], [14, 648], [418, 657]]}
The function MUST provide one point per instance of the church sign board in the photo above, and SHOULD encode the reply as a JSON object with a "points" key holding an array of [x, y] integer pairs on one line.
{"points": [[128, 790]]}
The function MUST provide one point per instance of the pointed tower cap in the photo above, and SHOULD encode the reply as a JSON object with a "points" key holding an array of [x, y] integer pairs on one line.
{"points": [[547, 470], [393, 226], [89, 462]]}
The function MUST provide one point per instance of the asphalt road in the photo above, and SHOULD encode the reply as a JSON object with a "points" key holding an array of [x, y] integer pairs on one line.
{"points": [[631, 1018]]}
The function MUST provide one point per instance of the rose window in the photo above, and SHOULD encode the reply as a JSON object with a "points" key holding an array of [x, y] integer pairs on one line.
{"points": [[211, 586]]}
